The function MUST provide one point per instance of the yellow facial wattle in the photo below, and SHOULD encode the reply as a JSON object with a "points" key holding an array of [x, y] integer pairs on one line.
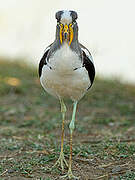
{"points": [[66, 33], [61, 32], [71, 33]]}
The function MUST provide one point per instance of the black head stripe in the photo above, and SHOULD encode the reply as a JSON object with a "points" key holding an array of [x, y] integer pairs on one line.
{"points": [[74, 15], [58, 15]]}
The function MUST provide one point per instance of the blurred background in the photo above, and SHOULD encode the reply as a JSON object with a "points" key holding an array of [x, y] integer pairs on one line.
{"points": [[30, 119], [106, 27]]}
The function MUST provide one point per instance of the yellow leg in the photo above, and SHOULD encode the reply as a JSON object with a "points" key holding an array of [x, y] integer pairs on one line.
{"points": [[63, 111], [61, 160], [71, 126]]}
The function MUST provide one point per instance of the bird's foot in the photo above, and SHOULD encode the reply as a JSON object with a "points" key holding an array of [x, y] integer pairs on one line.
{"points": [[70, 175], [60, 162]]}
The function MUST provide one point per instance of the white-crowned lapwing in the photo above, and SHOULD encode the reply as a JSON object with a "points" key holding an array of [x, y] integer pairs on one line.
{"points": [[66, 70]]}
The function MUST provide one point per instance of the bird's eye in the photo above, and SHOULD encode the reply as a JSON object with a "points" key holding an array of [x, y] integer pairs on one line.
{"points": [[60, 25], [73, 23]]}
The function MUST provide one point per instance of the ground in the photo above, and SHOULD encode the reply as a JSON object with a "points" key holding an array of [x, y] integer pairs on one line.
{"points": [[30, 129]]}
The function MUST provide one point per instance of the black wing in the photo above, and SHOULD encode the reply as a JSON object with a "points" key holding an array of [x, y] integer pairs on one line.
{"points": [[88, 64], [43, 60]]}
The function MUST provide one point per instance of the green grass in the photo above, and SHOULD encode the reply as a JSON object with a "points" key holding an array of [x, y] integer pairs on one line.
{"points": [[30, 128]]}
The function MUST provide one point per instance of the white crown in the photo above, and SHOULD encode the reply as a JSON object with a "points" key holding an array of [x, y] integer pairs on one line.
{"points": [[66, 17]]}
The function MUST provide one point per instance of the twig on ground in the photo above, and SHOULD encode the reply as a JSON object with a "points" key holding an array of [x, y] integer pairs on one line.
{"points": [[4, 172]]}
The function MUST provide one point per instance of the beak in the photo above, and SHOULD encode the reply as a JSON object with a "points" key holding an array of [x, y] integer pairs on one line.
{"points": [[66, 33]]}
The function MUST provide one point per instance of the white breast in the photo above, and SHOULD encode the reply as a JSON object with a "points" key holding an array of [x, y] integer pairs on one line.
{"points": [[62, 80], [65, 60]]}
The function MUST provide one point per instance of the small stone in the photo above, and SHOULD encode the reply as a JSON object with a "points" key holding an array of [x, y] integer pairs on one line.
{"points": [[11, 170], [111, 124], [116, 169]]}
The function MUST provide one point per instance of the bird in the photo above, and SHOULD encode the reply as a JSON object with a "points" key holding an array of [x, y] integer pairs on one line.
{"points": [[66, 71]]}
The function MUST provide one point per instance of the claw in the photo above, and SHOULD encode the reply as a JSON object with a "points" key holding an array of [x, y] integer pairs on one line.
{"points": [[60, 162], [69, 175]]}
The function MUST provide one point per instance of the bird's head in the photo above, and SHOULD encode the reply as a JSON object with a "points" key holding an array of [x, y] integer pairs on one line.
{"points": [[66, 29]]}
